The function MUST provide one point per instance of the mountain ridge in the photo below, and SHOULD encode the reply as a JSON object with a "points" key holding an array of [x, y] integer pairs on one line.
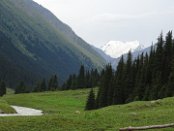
{"points": [[40, 44], [116, 48], [114, 61]]}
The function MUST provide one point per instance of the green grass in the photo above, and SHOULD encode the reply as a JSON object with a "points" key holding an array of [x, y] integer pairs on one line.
{"points": [[5, 107], [64, 110]]}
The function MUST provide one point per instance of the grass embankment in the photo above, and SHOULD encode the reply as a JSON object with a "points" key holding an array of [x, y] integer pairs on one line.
{"points": [[5, 107], [64, 110]]}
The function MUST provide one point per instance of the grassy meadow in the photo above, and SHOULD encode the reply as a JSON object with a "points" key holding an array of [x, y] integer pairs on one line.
{"points": [[5, 107], [64, 111]]}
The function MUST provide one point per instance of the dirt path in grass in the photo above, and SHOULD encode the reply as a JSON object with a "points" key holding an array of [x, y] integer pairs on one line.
{"points": [[24, 111]]}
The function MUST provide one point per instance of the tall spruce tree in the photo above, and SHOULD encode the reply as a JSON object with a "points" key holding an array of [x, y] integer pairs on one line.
{"points": [[37, 87], [139, 88], [149, 74], [145, 78], [2, 88], [88, 80], [53, 83], [94, 77], [169, 90], [157, 68], [81, 77], [43, 85], [69, 82], [21, 88], [167, 57], [128, 84], [118, 97], [91, 103], [105, 87], [50, 83]]}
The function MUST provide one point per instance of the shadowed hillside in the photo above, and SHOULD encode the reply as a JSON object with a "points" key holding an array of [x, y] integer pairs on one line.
{"points": [[35, 44]]}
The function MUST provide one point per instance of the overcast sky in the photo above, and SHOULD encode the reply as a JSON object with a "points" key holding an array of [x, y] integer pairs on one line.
{"points": [[99, 21]]}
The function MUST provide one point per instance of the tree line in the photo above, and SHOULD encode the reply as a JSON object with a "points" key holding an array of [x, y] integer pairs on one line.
{"points": [[148, 77], [84, 79], [3, 88], [41, 86]]}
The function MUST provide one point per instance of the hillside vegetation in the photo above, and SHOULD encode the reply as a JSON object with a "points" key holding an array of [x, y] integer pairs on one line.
{"points": [[35, 44], [64, 110], [148, 77], [5, 107]]}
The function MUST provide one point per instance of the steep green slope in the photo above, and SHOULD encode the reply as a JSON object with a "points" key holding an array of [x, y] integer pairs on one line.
{"points": [[34, 43], [64, 110], [6, 108]]}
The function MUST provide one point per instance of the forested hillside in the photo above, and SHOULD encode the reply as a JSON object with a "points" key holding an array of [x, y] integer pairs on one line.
{"points": [[34, 45], [148, 77]]}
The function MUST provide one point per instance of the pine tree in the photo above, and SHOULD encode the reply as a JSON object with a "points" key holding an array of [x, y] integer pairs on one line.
{"points": [[2, 88], [159, 54], [104, 96], [128, 84], [50, 83], [158, 66], [53, 83], [168, 46], [69, 82], [91, 104], [43, 85], [118, 97], [88, 80], [140, 80], [21, 88], [145, 90], [37, 87], [170, 85], [81, 77], [94, 78], [149, 74]]}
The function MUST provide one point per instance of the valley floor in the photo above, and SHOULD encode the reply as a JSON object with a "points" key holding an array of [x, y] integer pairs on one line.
{"points": [[64, 111]]}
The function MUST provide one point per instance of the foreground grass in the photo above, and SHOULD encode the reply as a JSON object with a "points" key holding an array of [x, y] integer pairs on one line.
{"points": [[64, 110], [5, 107]]}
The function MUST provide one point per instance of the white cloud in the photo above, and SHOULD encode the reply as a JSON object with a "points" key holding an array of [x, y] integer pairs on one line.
{"points": [[108, 17], [98, 21]]}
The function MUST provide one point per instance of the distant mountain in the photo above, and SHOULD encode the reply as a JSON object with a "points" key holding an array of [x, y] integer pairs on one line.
{"points": [[134, 55], [114, 61], [116, 48], [34, 44]]}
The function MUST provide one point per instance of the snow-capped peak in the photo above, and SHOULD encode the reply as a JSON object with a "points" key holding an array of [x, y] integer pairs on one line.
{"points": [[117, 48]]}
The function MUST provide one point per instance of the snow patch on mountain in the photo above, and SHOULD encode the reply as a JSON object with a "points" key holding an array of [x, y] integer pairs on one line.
{"points": [[117, 48]]}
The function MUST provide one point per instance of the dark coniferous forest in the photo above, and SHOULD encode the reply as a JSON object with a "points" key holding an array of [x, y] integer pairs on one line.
{"points": [[84, 79], [148, 77]]}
